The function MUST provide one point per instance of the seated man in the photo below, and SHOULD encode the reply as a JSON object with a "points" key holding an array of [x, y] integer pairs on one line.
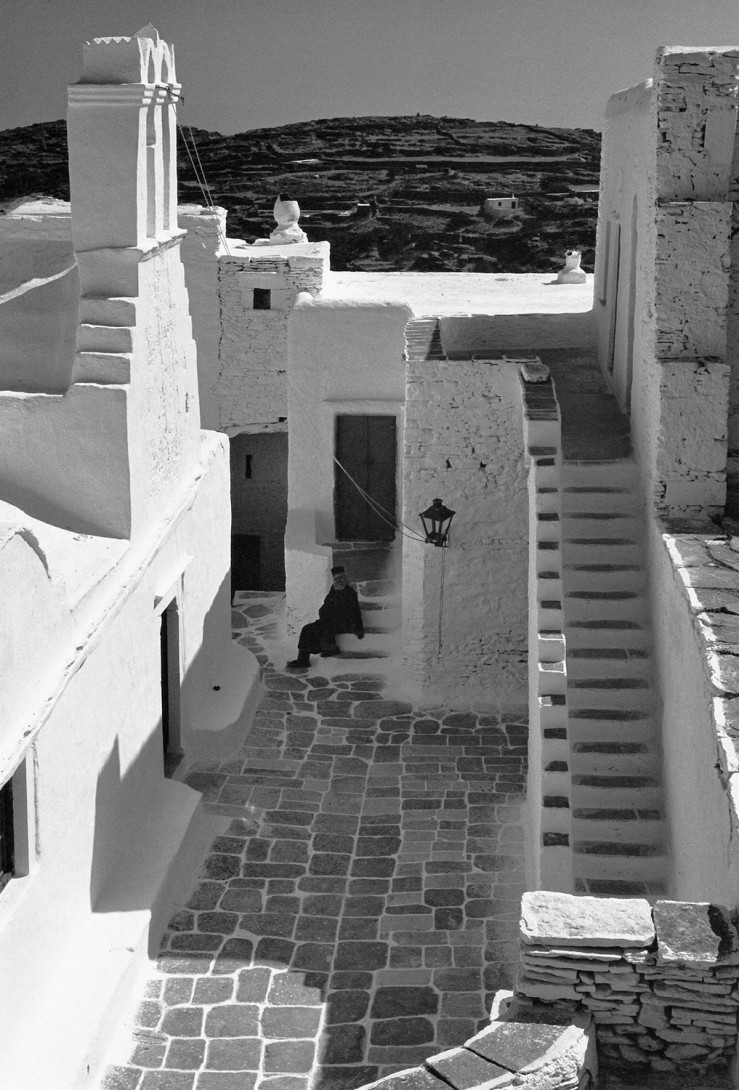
{"points": [[339, 613]]}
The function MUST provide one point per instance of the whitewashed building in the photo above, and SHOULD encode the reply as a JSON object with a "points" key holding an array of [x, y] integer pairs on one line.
{"points": [[115, 650]]}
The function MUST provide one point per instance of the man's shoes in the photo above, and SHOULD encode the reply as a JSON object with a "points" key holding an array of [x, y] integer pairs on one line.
{"points": [[330, 652], [297, 664]]}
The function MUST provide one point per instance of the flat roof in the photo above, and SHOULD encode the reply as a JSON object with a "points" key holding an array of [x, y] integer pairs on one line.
{"points": [[464, 293]]}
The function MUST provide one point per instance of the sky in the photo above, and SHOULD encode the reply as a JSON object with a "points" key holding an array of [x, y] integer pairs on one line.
{"points": [[248, 64]]}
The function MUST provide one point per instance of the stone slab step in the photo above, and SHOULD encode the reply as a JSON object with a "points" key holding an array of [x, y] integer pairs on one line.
{"points": [[583, 763], [604, 887], [640, 792], [577, 498], [613, 701], [608, 662], [604, 577], [617, 867], [623, 633], [620, 473], [620, 832]]}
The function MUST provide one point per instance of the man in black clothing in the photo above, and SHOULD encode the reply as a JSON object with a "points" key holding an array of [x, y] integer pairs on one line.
{"points": [[339, 613]]}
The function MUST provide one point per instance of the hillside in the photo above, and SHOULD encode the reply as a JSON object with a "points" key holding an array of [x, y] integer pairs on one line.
{"points": [[388, 193]]}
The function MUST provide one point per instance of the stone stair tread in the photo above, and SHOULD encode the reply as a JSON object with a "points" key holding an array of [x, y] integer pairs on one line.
{"points": [[610, 714], [616, 653], [612, 783], [611, 624], [616, 814], [613, 868], [601, 542], [610, 747], [616, 847], [599, 489], [617, 683], [604, 887], [592, 595]]}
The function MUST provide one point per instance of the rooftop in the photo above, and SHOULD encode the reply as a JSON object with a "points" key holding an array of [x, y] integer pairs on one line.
{"points": [[464, 293]]}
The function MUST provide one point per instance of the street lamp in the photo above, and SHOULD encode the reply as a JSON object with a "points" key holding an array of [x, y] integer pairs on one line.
{"points": [[436, 521]]}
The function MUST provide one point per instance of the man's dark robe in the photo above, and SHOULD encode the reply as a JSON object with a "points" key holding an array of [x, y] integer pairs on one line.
{"points": [[340, 612]]}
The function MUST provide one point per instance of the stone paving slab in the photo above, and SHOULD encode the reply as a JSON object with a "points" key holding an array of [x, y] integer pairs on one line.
{"points": [[361, 908]]}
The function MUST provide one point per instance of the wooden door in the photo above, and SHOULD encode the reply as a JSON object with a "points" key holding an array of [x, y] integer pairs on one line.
{"points": [[365, 448]]}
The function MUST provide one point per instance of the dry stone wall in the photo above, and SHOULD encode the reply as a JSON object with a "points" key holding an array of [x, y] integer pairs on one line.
{"points": [[661, 983]]}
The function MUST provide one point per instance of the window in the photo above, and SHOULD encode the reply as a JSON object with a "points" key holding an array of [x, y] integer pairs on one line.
{"points": [[262, 299], [7, 834]]}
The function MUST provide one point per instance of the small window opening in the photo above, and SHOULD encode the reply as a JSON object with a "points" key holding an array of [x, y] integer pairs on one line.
{"points": [[262, 299], [7, 834], [247, 467]]}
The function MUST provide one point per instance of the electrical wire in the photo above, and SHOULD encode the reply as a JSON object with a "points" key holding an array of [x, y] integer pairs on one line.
{"points": [[198, 170]]}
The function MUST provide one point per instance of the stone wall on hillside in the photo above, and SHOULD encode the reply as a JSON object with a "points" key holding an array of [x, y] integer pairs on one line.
{"points": [[661, 983]]}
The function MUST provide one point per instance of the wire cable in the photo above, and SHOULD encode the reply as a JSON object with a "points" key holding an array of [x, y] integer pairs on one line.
{"points": [[385, 515], [198, 170]]}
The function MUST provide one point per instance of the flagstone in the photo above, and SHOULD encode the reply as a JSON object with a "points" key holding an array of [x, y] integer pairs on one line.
{"points": [[344, 878]]}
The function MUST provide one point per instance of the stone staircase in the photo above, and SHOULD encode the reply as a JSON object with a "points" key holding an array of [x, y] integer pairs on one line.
{"points": [[618, 832], [372, 569]]}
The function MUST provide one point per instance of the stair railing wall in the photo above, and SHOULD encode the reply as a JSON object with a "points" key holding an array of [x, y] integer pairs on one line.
{"points": [[549, 851]]}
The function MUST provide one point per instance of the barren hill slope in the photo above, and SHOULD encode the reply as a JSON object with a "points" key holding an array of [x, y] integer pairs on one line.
{"points": [[387, 192]]}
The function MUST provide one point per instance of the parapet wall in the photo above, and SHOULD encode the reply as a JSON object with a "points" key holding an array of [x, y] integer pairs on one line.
{"points": [[696, 629], [661, 983]]}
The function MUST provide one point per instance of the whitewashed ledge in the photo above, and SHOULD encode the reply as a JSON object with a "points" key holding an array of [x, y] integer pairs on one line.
{"points": [[707, 566]]}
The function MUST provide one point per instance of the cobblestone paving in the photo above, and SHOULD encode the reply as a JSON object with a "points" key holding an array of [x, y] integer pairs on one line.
{"points": [[361, 908]]}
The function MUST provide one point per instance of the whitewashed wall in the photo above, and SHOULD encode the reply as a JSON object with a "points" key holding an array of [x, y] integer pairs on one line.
{"points": [[344, 357], [663, 306], [695, 650], [201, 245], [251, 389], [464, 444]]}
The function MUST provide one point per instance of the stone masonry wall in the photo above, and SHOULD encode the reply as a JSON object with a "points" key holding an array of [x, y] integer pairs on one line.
{"points": [[251, 389], [661, 983], [464, 444]]}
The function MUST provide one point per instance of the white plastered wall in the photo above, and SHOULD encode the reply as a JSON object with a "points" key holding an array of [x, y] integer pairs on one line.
{"points": [[464, 444], [343, 358], [82, 708], [662, 308]]}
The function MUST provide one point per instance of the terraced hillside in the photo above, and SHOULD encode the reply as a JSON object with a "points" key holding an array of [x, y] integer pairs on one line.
{"points": [[388, 193]]}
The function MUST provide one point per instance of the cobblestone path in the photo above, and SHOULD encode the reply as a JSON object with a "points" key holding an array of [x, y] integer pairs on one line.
{"points": [[361, 908]]}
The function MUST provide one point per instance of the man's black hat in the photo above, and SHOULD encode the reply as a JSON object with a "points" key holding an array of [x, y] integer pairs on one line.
{"points": [[338, 570]]}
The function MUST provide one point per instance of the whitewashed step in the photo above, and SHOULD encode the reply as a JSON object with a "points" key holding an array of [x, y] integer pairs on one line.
{"points": [[623, 633], [619, 826], [604, 575], [596, 861], [614, 662], [604, 606], [641, 791], [641, 760], [577, 498]]}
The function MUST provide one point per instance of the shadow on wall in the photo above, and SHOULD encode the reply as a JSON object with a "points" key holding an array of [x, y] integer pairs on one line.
{"points": [[141, 817], [38, 327]]}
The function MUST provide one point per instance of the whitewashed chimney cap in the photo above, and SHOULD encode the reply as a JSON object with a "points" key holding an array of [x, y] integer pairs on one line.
{"points": [[142, 58]]}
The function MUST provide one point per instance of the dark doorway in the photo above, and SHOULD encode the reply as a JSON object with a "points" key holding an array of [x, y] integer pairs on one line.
{"points": [[365, 447], [245, 562], [7, 837], [169, 657]]}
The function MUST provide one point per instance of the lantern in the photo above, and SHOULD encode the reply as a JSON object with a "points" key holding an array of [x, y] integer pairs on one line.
{"points": [[436, 521]]}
